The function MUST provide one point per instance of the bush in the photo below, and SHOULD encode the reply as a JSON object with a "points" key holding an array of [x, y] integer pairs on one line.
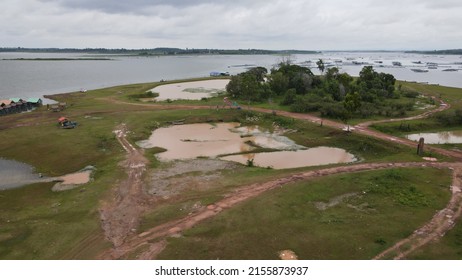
{"points": [[147, 94], [410, 94], [308, 103], [289, 97], [334, 110], [451, 117]]}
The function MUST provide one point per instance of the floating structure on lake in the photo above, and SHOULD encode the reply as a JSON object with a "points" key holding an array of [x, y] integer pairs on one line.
{"points": [[420, 70], [219, 74]]}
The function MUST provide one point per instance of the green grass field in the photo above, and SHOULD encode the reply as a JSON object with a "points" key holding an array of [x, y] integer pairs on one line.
{"points": [[36, 223], [387, 206]]}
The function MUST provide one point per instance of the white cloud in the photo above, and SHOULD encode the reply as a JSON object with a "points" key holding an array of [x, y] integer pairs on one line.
{"points": [[271, 24]]}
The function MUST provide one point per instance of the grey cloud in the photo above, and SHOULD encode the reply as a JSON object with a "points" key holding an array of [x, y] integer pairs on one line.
{"points": [[272, 24], [135, 6]]}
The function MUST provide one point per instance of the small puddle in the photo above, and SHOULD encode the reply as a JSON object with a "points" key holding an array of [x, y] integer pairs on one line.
{"points": [[293, 159], [206, 140], [445, 137], [191, 90]]}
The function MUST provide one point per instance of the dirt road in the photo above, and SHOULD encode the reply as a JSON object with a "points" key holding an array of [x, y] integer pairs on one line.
{"points": [[120, 217], [153, 240]]}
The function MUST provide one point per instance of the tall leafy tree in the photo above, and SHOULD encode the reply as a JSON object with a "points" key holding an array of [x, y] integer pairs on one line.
{"points": [[321, 66]]}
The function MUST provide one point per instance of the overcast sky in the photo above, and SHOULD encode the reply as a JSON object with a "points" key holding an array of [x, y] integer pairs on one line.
{"points": [[265, 24]]}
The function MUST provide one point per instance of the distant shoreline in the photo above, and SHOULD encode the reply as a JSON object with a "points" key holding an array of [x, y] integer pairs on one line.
{"points": [[156, 51], [54, 59]]}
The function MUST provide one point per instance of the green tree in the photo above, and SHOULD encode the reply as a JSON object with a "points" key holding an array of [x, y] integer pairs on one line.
{"points": [[332, 74], [259, 72], [279, 83], [352, 102], [321, 66]]}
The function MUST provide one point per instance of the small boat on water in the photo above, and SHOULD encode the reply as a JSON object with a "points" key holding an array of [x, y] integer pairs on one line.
{"points": [[420, 70], [417, 62], [451, 70], [396, 63]]}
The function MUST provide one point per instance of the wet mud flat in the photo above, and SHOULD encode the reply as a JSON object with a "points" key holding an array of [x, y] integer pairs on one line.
{"points": [[205, 140]]}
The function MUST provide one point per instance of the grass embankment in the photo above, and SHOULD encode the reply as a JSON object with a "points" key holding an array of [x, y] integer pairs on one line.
{"points": [[378, 208], [36, 223]]}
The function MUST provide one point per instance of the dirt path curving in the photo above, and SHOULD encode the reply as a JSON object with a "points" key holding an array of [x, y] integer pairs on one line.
{"points": [[154, 238], [442, 222]]}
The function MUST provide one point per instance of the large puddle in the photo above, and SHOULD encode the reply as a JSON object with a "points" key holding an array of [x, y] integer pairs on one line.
{"points": [[445, 137], [13, 174], [206, 140], [293, 159], [191, 90]]}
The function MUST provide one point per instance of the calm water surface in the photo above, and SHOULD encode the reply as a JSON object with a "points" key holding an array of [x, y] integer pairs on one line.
{"points": [[444, 137], [36, 78], [13, 174]]}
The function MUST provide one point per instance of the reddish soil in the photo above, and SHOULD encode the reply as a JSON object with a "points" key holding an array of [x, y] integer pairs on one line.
{"points": [[120, 216]]}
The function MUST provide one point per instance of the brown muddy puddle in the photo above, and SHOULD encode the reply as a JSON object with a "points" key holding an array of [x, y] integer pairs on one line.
{"points": [[191, 90], [293, 159], [207, 140], [444, 137]]}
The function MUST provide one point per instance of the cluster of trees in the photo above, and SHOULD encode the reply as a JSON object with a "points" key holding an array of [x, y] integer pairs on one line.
{"points": [[333, 94]]}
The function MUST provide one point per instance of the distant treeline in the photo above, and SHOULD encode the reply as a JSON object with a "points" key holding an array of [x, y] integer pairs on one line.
{"points": [[155, 51], [454, 51]]}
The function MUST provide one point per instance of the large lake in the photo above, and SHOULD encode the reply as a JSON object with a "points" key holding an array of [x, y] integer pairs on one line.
{"points": [[28, 78]]}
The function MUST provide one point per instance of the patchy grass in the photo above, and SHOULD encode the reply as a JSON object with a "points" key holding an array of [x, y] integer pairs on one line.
{"points": [[36, 223], [357, 228]]}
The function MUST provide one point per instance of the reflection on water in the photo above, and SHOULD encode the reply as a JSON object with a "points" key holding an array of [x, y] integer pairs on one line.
{"points": [[206, 140], [13, 174], [190, 90], [445, 137], [294, 159]]}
